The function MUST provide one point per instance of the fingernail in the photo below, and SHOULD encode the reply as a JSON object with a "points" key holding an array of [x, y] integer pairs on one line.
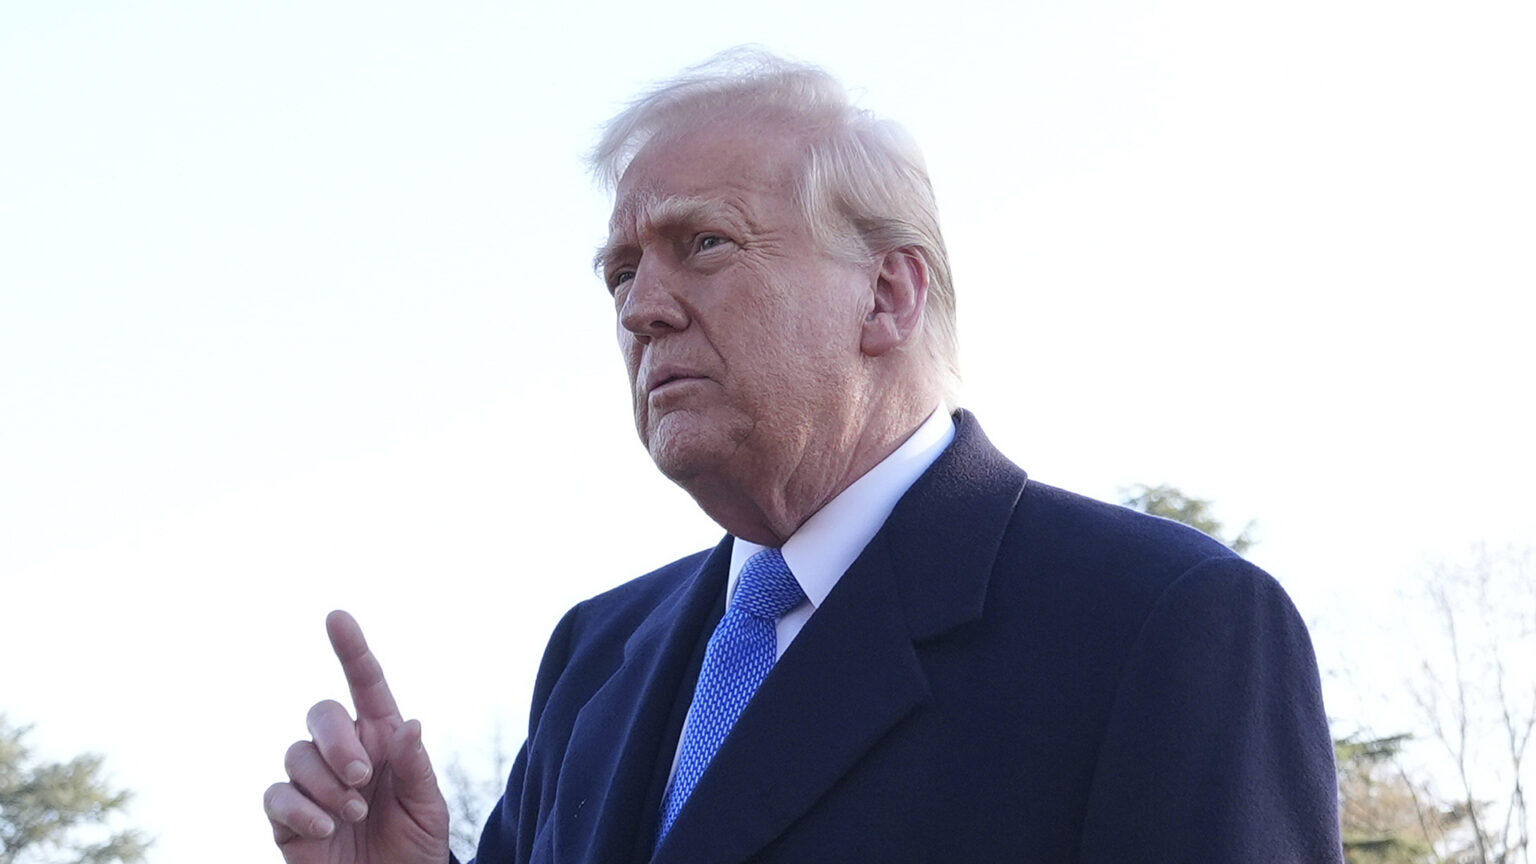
{"points": [[324, 826], [354, 811], [357, 773]]}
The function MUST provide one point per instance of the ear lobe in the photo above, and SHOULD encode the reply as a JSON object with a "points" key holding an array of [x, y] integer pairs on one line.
{"points": [[901, 293]]}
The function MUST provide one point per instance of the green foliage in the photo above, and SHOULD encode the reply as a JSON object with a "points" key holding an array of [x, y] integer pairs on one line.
{"points": [[58, 812], [1385, 817], [1368, 751], [1170, 503], [1390, 817]]}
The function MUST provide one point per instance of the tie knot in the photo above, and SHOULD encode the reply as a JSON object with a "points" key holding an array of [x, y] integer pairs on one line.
{"points": [[767, 589]]}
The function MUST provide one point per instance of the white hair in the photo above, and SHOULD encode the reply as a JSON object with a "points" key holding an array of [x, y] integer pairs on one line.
{"points": [[864, 187]]}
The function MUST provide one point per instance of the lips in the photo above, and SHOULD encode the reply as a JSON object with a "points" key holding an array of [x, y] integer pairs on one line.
{"points": [[669, 373]]}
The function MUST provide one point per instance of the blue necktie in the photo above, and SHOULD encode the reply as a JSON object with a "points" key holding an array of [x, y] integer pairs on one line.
{"points": [[738, 658]]}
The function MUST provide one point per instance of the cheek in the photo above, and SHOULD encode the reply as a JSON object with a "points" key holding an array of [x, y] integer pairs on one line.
{"points": [[813, 307], [820, 332], [629, 352], [788, 374]]}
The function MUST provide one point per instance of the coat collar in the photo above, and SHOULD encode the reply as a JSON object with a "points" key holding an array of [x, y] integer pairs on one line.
{"points": [[853, 672], [610, 786]]}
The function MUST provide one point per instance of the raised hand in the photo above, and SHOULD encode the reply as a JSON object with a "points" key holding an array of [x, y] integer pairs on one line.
{"points": [[359, 792]]}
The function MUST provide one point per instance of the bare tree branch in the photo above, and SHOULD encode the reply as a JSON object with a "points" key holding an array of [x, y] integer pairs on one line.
{"points": [[1482, 722]]}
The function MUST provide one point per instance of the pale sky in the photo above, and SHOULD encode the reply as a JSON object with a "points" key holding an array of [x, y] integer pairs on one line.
{"points": [[296, 313]]}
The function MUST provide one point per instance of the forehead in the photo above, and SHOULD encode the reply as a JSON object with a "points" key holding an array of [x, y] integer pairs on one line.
{"points": [[746, 169]]}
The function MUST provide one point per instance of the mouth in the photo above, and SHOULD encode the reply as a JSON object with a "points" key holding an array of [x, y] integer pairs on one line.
{"points": [[665, 376]]}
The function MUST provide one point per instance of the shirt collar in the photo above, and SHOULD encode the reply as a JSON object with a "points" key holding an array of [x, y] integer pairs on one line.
{"points": [[827, 543]]}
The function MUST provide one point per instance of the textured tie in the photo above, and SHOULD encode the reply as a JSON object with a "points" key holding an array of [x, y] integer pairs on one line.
{"points": [[738, 658]]}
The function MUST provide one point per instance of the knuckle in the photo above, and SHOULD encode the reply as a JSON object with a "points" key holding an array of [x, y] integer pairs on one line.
{"points": [[282, 835]]}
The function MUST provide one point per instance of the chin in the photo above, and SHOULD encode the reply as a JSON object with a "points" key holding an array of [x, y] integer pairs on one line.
{"points": [[684, 446]]}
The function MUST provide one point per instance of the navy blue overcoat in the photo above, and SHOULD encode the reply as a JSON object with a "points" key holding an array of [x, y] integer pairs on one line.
{"points": [[1009, 672]]}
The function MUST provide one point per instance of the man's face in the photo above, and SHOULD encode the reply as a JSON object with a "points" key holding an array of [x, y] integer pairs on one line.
{"points": [[740, 334]]}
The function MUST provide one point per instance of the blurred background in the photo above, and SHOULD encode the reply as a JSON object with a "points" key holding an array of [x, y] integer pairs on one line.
{"points": [[296, 313]]}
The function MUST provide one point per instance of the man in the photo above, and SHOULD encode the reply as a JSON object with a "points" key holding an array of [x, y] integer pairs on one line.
{"points": [[903, 651]]}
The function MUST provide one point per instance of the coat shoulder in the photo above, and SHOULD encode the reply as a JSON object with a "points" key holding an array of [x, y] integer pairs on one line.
{"points": [[611, 616], [1101, 542], [1078, 521]]}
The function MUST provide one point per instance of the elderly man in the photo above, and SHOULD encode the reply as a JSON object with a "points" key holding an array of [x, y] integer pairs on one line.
{"points": [[903, 651]]}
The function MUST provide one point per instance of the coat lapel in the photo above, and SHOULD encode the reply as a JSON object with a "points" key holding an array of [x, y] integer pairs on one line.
{"points": [[853, 673], [610, 788], [845, 681]]}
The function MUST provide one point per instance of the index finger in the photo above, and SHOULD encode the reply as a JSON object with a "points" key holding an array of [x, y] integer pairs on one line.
{"points": [[365, 677]]}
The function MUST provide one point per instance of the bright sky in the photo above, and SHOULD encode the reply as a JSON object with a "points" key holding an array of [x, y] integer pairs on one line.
{"points": [[295, 313]]}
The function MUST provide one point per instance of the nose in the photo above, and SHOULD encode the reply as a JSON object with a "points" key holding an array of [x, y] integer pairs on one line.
{"points": [[650, 308]]}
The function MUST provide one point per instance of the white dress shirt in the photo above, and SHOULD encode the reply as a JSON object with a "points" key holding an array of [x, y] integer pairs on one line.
{"points": [[827, 543]]}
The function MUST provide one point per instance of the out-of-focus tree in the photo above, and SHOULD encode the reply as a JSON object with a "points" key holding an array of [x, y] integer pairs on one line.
{"points": [[1478, 694], [1171, 503], [1387, 816], [471, 795], [59, 812]]}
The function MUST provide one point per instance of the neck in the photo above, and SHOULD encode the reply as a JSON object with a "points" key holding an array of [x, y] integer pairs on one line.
{"points": [[768, 508]]}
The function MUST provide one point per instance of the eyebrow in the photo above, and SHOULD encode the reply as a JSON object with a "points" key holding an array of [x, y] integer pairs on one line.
{"points": [[651, 213]]}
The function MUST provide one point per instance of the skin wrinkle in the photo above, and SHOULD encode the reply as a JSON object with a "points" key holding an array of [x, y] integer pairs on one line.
{"points": [[799, 392], [649, 214]]}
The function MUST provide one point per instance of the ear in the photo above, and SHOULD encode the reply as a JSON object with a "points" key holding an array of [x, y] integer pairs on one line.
{"points": [[901, 293]]}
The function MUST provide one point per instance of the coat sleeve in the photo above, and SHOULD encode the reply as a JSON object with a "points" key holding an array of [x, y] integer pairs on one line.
{"points": [[1217, 748]]}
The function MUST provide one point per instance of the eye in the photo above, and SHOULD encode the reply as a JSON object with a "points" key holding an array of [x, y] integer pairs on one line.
{"points": [[618, 278], [706, 242]]}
